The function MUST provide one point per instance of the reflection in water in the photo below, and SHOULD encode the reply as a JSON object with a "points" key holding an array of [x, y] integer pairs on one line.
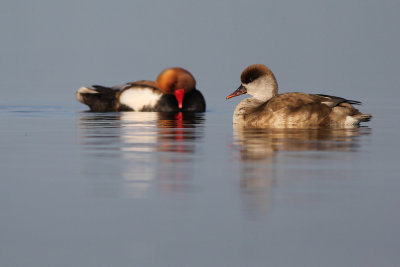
{"points": [[154, 148], [177, 131], [258, 151]]}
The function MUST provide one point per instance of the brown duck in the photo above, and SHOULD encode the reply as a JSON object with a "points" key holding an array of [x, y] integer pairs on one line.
{"points": [[289, 110]]}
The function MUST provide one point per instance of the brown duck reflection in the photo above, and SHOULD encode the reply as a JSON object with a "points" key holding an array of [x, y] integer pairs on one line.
{"points": [[258, 152], [145, 148], [264, 143]]}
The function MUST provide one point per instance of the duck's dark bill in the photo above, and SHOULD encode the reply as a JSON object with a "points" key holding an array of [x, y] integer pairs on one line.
{"points": [[240, 91]]}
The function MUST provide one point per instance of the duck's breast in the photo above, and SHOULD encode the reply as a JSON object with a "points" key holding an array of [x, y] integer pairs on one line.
{"points": [[139, 98], [194, 101]]}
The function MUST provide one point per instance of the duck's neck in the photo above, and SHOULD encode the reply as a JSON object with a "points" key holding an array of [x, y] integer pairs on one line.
{"points": [[263, 89], [264, 97]]}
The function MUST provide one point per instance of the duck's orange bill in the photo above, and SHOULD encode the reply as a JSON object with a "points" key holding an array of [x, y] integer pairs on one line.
{"points": [[179, 96], [240, 91]]}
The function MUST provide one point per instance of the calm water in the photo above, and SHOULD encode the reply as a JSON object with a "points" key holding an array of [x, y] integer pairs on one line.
{"points": [[148, 189]]}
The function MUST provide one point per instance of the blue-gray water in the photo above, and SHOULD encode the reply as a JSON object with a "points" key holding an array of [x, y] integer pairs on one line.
{"points": [[148, 189]]}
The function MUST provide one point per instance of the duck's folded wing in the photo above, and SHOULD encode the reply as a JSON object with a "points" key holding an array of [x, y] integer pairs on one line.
{"points": [[298, 107], [106, 89], [101, 88], [120, 87], [142, 83], [333, 101], [294, 102]]}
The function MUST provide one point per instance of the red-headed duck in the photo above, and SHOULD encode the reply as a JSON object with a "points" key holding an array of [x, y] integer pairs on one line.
{"points": [[174, 91], [289, 110]]}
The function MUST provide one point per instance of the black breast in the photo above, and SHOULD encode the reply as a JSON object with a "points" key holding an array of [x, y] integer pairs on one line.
{"points": [[193, 101]]}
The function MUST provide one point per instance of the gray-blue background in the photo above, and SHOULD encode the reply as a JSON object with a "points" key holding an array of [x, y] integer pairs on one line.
{"points": [[51, 48]]}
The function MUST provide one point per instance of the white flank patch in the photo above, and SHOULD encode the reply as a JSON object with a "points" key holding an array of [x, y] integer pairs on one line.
{"points": [[84, 90], [137, 98]]}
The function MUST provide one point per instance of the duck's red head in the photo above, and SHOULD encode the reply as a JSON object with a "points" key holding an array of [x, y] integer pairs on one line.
{"points": [[176, 81]]}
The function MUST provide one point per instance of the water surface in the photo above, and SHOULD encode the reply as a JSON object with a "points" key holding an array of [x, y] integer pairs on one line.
{"points": [[150, 189]]}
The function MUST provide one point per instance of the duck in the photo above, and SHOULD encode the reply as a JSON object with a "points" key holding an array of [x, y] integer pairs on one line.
{"points": [[173, 91], [268, 109]]}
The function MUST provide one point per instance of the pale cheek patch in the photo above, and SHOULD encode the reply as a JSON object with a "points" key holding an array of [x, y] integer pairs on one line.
{"points": [[137, 98]]}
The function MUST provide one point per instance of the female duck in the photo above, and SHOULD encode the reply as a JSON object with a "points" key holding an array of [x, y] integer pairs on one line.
{"points": [[289, 110], [174, 91]]}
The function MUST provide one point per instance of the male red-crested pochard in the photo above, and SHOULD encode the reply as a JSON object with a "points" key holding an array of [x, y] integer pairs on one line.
{"points": [[174, 91], [289, 110]]}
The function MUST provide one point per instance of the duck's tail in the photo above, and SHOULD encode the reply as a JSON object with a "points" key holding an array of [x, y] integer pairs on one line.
{"points": [[362, 117], [82, 92], [101, 99]]}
